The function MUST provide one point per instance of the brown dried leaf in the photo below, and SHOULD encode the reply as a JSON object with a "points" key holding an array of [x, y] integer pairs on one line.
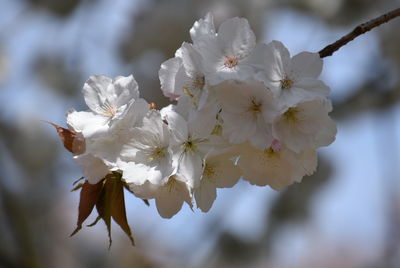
{"points": [[103, 205], [118, 211], [108, 197], [73, 142], [89, 196], [77, 187]]}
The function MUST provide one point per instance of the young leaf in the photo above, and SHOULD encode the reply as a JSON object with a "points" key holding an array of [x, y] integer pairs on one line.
{"points": [[103, 205], [89, 196], [73, 142], [108, 197], [118, 211]]}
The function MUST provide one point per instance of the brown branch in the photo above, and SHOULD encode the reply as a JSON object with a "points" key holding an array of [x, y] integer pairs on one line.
{"points": [[359, 30]]}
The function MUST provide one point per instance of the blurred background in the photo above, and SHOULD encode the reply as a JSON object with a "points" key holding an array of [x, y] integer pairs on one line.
{"points": [[346, 215]]}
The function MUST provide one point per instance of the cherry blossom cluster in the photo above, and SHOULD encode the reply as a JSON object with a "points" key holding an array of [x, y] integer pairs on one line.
{"points": [[243, 110]]}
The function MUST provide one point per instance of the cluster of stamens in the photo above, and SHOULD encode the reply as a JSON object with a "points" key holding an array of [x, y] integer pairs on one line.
{"points": [[231, 62], [108, 109], [286, 83]]}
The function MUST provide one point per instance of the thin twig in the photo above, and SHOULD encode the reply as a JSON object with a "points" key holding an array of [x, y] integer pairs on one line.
{"points": [[359, 30]]}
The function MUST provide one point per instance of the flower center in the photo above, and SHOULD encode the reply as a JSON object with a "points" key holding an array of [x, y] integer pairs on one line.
{"points": [[108, 109], [231, 62], [272, 151], [199, 82], [158, 153], [255, 107], [190, 145], [286, 83], [291, 115], [276, 145]]}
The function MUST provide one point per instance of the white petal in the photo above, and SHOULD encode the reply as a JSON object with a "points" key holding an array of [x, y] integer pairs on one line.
{"points": [[177, 125], [126, 89], [203, 122], [95, 92], [309, 161], [205, 195], [307, 64], [170, 73], [145, 191], [91, 125], [190, 167], [132, 116], [236, 37], [168, 205], [138, 174], [276, 62], [221, 170], [314, 88], [262, 138], [203, 28], [93, 168], [191, 60], [107, 149], [261, 168], [170, 198]]}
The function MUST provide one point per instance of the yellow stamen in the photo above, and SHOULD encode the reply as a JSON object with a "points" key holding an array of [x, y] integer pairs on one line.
{"points": [[157, 154], [291, 115], [187, 92], [108, 109], [255, 107], [217, 130], [199, 82], [286, 83], [209, 173], [190, 146], [271, 153]]}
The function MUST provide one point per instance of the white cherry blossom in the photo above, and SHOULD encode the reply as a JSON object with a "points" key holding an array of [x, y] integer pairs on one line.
{"points": [[219, 171], [191, 142], [243, 110], [248, 110], [276, 166], [108, 100], [183, 75], [231, 53], [306, 125], [108, 146], [147, 155], [292, 79]]}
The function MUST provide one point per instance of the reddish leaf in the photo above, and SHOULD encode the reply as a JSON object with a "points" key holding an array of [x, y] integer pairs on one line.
{"points": [[89, 196], [118, 211], [103, 205], [108, 197], [77, 187], [73, 142]]}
